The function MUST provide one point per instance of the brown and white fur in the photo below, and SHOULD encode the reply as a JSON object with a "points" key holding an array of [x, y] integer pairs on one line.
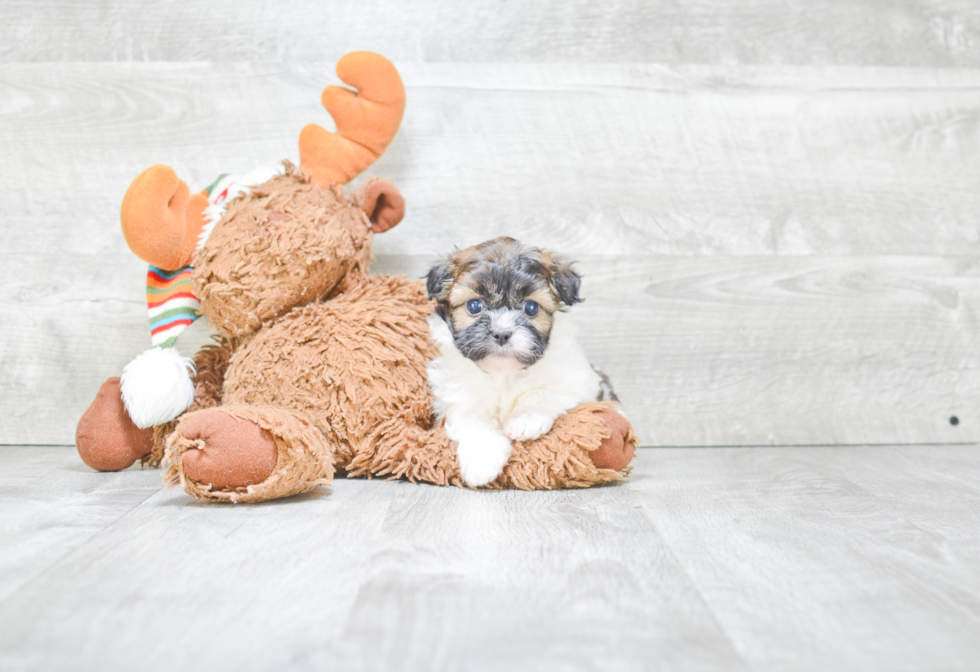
{"points": [[509, 362]]}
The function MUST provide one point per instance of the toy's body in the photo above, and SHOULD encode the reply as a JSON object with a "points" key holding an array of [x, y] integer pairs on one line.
{"points": [[322, 366]]}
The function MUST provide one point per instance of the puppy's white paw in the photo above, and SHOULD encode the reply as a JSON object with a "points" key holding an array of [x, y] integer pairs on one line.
{"points": [[528, 426], [482, 456]]}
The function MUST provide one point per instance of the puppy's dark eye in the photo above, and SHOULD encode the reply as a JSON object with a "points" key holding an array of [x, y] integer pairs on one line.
{"points": [[531, 308], [474, 306]]}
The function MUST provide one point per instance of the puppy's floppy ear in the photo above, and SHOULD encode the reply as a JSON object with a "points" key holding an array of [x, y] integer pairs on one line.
{"points": [[437, 283], [437, 279], [564, 281]]}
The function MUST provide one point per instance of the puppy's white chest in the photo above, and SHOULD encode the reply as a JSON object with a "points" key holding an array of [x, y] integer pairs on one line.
{"points": [[474, 393], [559, 381], [503, 393]]}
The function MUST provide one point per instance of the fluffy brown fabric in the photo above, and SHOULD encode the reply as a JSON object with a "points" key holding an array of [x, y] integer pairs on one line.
{"points": [[330, 363], [562, 457], [305, 458], [210, 364], [351, 362], [289, 243]]}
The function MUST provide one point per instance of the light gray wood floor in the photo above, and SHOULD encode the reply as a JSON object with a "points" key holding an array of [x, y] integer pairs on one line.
{"points": [[861, 558]]}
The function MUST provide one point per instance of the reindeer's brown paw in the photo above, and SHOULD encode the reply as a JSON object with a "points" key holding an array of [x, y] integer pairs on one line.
{"points": [[617, 450], [235, 453], [106, 438]]}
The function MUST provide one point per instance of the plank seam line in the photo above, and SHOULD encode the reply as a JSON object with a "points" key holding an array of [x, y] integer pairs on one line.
{"points": [[695, 86], [57, 563], [694, 585]]}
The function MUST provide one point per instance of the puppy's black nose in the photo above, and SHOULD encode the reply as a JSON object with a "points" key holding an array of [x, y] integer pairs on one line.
{"points": [[501, 336]]}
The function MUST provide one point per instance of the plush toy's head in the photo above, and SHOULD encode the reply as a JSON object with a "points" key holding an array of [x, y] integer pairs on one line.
{"points": [[291, 240], [287, 243]]}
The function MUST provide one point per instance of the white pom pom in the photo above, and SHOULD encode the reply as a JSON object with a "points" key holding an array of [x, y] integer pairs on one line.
{"points": [[157, 387]]}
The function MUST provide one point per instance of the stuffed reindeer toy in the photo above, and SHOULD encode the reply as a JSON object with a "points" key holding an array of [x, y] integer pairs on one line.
{"points": [[319, 366]]}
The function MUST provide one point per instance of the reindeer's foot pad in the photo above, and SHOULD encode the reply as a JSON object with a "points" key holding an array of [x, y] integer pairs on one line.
{"points": [[106, 437], [591, 444], [247, 454], [232, 453], [618, 448]]}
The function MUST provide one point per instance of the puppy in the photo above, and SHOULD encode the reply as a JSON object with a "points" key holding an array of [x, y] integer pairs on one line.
{"points": [[509, 364]]}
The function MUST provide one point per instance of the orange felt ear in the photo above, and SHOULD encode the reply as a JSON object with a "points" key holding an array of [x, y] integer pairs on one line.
{"points": [[383, 203], [161, 220], [367, 120]]}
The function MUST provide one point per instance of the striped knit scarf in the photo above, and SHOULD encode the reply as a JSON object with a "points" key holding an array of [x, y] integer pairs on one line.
{"points": [[156, 385], [172, 304], [170, 297]]}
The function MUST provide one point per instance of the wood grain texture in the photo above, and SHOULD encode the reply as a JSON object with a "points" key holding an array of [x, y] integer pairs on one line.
{"points": [[696, 170], [783, 350], [817, 32], [52, 504], [712, 559], [594, 159], [801, 553], [702, 351]]}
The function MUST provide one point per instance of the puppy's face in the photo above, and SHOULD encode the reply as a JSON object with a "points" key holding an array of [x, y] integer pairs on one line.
{"points": [[499, 299]]}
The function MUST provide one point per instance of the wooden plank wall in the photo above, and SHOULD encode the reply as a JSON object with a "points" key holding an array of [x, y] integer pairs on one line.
{"points": [[775, 206]]}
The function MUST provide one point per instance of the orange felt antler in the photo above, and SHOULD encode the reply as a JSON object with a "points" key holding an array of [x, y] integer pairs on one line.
{"points": [[367, 120]]}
